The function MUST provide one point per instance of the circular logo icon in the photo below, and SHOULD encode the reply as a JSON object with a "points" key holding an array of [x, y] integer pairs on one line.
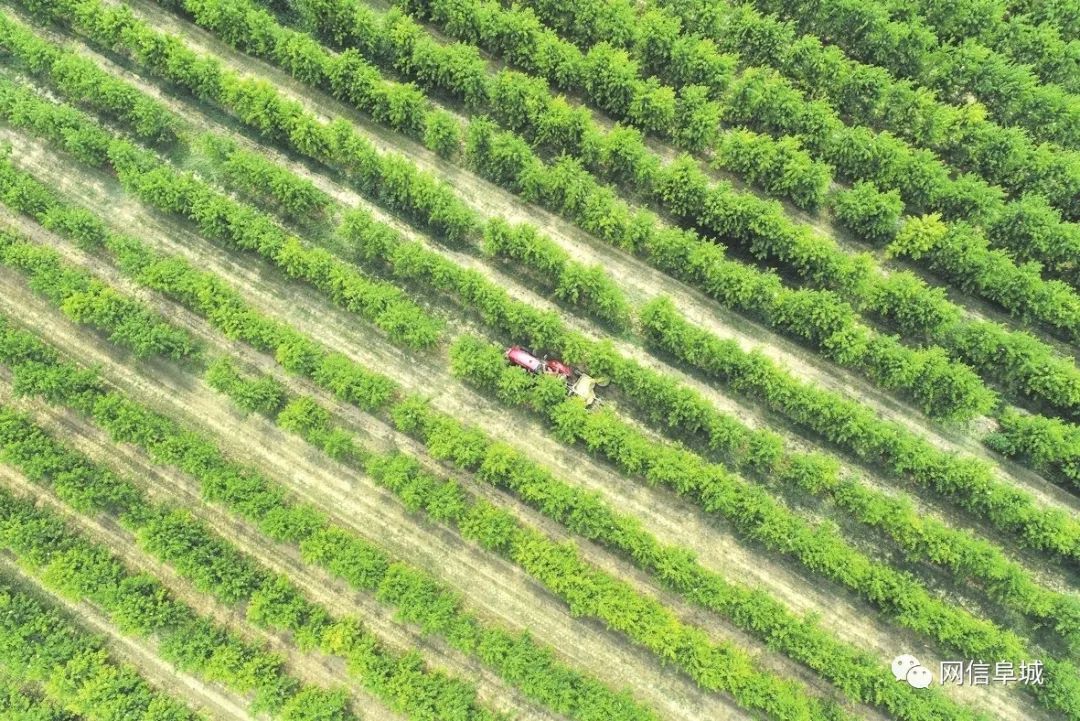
{"points": [[919, 677], [902, 664], [907, 668]]}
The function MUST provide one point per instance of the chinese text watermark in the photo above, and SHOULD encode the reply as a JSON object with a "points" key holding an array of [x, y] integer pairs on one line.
{"points": [[967, 673], [981, 673]]}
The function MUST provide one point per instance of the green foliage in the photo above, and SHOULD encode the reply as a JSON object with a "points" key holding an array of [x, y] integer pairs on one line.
{"points": [[870, 96], [265, 396], [39, 645], [587, 287], [87, 300], [235, 224], [21, 702], [262, 180], [442, 135], [524, 104], [312, 705], [962, 197], [868, 212], [959, 253], [207, 295], [85, 488], [589, 591], [965, 481], [214, 566], [781, 167], [86, 84], [72, 565], [487, 367], [1032, 230], [909, 48], [921, 178], [347, 76], [411, 262], [343, 553], [1048, 443], [844, 354], [312, 422]]}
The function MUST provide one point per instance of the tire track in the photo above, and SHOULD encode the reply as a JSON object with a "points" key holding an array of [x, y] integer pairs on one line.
{"points": [[315, 669], [158, 673], [853, 626], [495, 589]]}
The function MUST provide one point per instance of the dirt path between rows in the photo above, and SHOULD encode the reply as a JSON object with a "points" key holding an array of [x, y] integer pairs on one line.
{"points": [[637, 279], [210, 699], [868, 542], [315, 669], [495, 588], [166, 485], [730, 558]]}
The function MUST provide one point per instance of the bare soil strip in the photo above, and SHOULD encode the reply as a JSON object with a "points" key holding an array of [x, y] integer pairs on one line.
{"points": [[210, 699], [315, 669], [496, 589], [638, 280], [718, 549]]}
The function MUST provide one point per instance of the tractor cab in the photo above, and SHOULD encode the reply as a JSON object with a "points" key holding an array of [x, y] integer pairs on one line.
{"points": [[577, 384], [524, 359]]}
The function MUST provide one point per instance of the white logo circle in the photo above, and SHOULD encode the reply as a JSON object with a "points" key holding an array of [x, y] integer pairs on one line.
{"points": [[920, 677], [907, 668], [902, 664]]}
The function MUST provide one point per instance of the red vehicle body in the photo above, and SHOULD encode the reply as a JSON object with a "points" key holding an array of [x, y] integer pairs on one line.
{"points": [[577, 384], [524, 359], [558, 368]]}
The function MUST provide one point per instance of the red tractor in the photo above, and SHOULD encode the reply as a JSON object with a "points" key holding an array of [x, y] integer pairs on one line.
{"points": [[524, 359], [577, 384]]}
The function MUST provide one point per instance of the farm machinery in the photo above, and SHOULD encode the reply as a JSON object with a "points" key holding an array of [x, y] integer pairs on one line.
{"points": [[578, 384]]}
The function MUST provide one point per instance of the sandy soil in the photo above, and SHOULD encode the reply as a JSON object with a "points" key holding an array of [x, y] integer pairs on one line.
{"points": [[495, 588], [853, 622], [209, 699], [315, 669], [637, 279]]}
